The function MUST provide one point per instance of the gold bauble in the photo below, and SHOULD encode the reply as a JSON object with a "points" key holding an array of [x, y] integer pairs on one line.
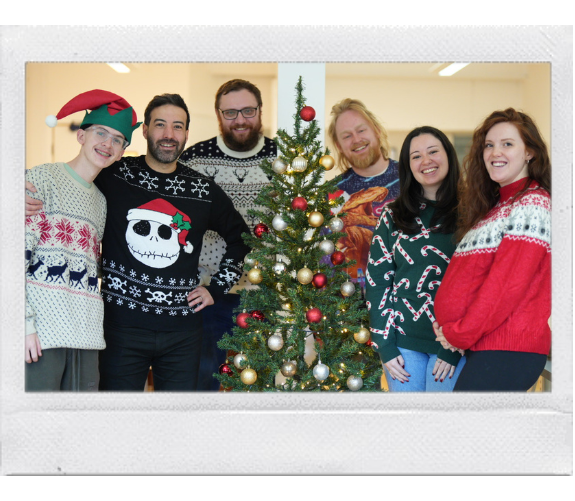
{"points": [[288, 369], [299, 164], [248, 376], [255, 276], [327, 162], [315, 219], [305, 276], [362, 335]]}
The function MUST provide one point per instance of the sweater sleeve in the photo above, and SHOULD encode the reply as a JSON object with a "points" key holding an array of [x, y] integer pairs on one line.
{"points": [[520, 255], [380, 279], [229, 224]]}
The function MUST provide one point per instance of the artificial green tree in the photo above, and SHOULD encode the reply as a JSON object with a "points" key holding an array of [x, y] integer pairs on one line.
{"points": [[300, 293]]}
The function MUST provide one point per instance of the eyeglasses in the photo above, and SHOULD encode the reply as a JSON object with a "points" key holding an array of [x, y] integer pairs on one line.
{"points": [[104, 135], [246, 113]]}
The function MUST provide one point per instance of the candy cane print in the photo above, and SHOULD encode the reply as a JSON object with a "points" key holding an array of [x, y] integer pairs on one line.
{"points": [[425, 307], [434, 249], [387, 256], [389, 274], [410, 308], [384, 217], [385, 331], [424, 231], [399, 315], [397, 245], [368, 304], [384, 298], [424, 275], [401, 282], [431, 285]]}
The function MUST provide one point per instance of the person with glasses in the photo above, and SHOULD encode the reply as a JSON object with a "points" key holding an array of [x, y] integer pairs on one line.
{"points": [[158, 212], [64, 309], [232, 160]]}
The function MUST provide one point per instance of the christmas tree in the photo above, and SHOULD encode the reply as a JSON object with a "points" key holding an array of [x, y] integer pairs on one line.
{"points": [[299, 298]]}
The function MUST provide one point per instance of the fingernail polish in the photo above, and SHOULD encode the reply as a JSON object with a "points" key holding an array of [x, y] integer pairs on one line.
{"points": [[442, 380]]}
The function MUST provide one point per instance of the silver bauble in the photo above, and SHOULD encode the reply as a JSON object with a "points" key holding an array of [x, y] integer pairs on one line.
{"points": [[321, 372], [275, 342], [279, 268], [299, 164], [289, 369], [240, 361], [336, 224], [347, 289], [278, 223], [354, 383], [278, 166], [327, 246], [250, 260]]}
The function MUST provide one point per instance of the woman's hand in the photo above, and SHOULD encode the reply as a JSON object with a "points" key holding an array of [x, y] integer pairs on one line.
{"points": [[441, 338], [441, 369], [396, 369]]}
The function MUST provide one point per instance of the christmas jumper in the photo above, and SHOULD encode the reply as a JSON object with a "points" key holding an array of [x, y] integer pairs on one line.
{"points": [[496, 294], [239, 175], [403, 274], [364, 200], [153, 240], [63, 303]]}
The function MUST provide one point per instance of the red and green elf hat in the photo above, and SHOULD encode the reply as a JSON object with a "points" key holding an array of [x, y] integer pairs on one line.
{"points": [[109, 109]]}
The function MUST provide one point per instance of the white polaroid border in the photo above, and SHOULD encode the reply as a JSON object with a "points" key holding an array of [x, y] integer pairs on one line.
{"points": [[228, 433]]}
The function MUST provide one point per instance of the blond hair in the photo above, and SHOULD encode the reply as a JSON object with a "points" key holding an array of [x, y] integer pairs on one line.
{"points": [[356, 105]]}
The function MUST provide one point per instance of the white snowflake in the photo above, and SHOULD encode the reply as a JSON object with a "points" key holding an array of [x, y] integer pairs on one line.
{"points": [[135, 291], [132, 306], [147, 180], [145, 277], [158, 311], [124, 169], [103, 262], [109, 298], [173, 312], [180, 297], [145, 308], [172, 281], [159, 280], [185, 312], [200, 188], [182, 281], [133, 273], [120, 301], [175, 184], [112, 264], [122, 268]]}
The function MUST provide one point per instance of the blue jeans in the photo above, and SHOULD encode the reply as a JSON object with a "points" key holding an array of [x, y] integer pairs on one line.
{"points": [[217, 319], [420, 367]]}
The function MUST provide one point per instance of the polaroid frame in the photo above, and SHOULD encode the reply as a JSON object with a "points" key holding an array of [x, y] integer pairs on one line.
{"points": [[229, 433]]}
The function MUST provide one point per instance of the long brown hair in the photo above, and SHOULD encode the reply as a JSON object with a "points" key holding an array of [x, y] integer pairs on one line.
{"points": [[478, 192]]}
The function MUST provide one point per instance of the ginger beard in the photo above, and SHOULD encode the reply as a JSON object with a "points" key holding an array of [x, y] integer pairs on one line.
{"points": [[367, 158], [234, 141]]}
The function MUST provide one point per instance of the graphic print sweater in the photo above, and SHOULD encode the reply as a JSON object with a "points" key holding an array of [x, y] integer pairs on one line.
{"points": [[239, 175], [403, 274], [496, 294], [151, 247], [63, 303]]}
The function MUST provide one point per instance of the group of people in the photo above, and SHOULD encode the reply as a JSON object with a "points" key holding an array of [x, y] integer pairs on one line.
{"points": [[170, 225]]}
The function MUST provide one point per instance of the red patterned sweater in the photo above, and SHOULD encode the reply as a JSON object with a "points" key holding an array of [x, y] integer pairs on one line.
{"points": [[496, 293]]}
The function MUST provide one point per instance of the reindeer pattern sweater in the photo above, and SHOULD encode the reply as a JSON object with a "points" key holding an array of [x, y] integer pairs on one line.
{"points": [[63, 303]]}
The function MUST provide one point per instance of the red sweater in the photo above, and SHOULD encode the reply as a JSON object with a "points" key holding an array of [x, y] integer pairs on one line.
{"points": [[496, 292]]}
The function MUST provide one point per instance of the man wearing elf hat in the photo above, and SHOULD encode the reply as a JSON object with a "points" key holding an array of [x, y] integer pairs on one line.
{"points": [[158, 213], [64, 309]]}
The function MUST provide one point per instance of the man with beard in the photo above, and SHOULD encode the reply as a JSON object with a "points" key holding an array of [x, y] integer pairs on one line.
{"points": [[370, 178], [158, 212], [232, 160]]}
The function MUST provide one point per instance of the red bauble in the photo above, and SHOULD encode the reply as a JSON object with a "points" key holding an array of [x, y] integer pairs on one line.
{"points": [[257, 315], [307, 113], [337, 257], [314, 315], [226, 369], [319, 280], [260, 229], [299, 203], [241, 320]]}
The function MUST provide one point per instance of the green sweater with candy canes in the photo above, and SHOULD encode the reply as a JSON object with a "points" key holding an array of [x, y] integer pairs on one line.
{"points": [[403, 274]]}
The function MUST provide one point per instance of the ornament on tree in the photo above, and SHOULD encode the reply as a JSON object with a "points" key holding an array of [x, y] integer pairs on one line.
{"points": [[299, 164], [319, 280], [250, 260], [307, 113], [371, 344], [304, 276], [315, 219], [241, 320], [314, 315], [226, 369], [327, 246], [354, 383], [361, 336], [279, 268], [248, 376], [278, 223], [337, 257], [327, 162], [239, 360], [321, 372], [260, 229], [347, 289], [336, 224], [279, 166], [255, 276], [299, 203], [257, 315], [288, 369], [275, 342]]}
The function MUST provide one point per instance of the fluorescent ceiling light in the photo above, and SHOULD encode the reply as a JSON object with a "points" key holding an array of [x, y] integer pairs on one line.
{"points": [[119, 67], [451, 69]]}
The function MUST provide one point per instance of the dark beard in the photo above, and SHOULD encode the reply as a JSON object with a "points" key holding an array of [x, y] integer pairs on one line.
{"points": [[247, 144], [164, 157]]}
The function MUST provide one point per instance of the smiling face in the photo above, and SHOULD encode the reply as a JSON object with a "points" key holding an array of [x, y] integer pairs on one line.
{"points": [[505, 155], [428, 162], [166, 134], [357, 141], [101, 145], [239, 134]]}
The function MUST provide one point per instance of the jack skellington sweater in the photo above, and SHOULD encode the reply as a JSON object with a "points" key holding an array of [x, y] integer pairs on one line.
{"points": [[153, 238]]}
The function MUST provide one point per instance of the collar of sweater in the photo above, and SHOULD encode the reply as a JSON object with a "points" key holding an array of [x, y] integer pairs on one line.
{"points": [[506, 192], [240, 154]]}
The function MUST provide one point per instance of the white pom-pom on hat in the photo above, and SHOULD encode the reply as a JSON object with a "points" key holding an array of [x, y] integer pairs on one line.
{"points": [[51, 121]]}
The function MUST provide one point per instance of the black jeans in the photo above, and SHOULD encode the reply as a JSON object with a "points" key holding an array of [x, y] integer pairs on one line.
{"points": [[130, 352], [499, 370]]}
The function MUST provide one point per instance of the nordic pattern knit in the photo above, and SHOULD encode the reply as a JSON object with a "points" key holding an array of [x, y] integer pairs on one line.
{"points": [[239, 175], [403, 274], [496, 294], [153, 239], [63, 303]]}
